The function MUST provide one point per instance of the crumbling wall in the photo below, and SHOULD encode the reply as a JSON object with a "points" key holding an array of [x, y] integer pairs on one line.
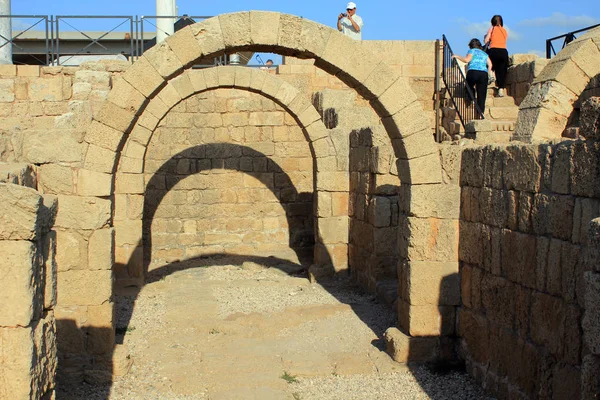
{"points": [[28, 281]]}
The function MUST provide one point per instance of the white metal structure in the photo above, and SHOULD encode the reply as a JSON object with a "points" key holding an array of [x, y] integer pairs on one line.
{"points": [[6, 33]]}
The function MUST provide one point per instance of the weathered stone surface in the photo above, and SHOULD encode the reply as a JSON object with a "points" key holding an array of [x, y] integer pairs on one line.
{"points": [[548, 322], [590, 377], [20, 212], [84, 288], [333, 230], [184, 46], [101, 249], [551, 95], [429, 239], [591, 318], [426, 320], [590, 118], [53, 146], [92, 183], [403, 348], [163, 59], [432, 283], [29, 360], [20, 277], [209, 35], [18, 174], [82, 212], [380, 211]]}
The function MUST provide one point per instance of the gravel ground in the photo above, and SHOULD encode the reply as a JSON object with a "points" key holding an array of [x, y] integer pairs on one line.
{"points": [[265, 295]]}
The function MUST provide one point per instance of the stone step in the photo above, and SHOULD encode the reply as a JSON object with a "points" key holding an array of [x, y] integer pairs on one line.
{"points": [[503, 125], [502, 113], [506, 101]]}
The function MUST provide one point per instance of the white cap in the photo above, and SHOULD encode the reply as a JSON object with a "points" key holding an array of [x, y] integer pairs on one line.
{"points": [[351, 6]]}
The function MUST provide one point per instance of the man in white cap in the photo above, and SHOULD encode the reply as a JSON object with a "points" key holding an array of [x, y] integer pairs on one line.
{"points": [[349, 23]]}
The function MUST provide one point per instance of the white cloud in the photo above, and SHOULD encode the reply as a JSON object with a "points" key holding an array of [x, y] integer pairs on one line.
{"points": [[479, 29], [560, 19]]}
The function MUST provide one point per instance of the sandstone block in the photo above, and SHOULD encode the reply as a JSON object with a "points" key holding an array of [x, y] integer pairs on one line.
{"points": [[590, 118], [53, 146], [380, 211], [45, 89], [548, 322], [439, 201], [55, 179], [164, 60], [209, 35], [115, 117], [475, 331], [100, 159], [522, 170], [92, 183], [129, 183], [144, 77], [332, 181], [333, 230], [426, 320], [403, 348], [498, 299], [590, 377], [20, 212], [78, 212], [71, 251], [101, 249], [235, 28], [566, 72], [50, 269], [433, 283], [429, 239], [397, 97], [20, 276], [258, 21], [540, 124], [84, 288], [19, 174], [184, 46], [422, 170], [591, 319], [29, 360], [226, 76], [128, 233]]}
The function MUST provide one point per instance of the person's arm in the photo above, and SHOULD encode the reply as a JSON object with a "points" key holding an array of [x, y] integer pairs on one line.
{"points": [[339, 25], [489, 65], [466, 59], [488, 36], [354, 24]]}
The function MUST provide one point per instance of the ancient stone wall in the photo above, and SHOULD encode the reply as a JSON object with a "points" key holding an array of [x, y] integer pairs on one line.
{"points": [[524, 228], [28, 281], [236, 179]]}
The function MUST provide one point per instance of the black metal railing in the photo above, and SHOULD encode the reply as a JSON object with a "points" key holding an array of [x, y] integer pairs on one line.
{"points": [[55, 40], [567, 38], [456, 86]]}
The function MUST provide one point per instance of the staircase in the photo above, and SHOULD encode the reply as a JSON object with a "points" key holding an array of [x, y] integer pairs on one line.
{"points": [[501, 111]]}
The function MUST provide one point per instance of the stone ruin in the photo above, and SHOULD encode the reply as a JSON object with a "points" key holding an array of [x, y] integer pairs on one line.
{"points": [[489, 252]]}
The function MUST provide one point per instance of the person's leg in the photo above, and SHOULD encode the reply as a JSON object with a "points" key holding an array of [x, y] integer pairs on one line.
{"points": [[502, 69], [471, 78], [481, 84]]}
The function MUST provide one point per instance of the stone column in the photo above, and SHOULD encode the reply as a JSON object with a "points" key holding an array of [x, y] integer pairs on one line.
{"points": [[164, 26], [6, 33]]}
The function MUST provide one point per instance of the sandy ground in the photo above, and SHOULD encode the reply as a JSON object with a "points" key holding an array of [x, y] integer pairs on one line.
{"points": [[253, 332]]}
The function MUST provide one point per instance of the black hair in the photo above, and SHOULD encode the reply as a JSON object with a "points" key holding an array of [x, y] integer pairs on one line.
{"points": [[269, 60], [497, 20], [475, 44]]}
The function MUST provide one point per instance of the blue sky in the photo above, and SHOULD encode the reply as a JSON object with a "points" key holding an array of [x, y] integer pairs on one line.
{"points": [[530, 23]]}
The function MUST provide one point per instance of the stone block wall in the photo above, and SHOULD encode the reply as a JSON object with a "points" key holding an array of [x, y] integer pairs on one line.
{"points": [[373, 212], [229, 172], [521, 74], [524, 231], [28, 281]]}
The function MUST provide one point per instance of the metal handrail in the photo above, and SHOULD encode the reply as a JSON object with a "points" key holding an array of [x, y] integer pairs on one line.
{"points": [[456, 85], [135, 45], [568, 38], [39, 19]]}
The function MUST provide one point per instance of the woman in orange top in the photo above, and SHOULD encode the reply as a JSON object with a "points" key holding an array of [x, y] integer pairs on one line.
{"points": [[496, 37]]}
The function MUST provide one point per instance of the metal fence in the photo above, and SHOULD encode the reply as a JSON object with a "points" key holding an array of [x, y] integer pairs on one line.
{"points": [[566, 39], [56, 40], [460, 93]]}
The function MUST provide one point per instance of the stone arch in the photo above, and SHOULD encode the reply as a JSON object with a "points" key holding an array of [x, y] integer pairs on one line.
{"points": [[130, 164], [153, 77], [547, 108]]}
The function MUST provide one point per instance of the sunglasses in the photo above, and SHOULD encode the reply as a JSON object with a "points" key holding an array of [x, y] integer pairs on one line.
{"points": [[349, 9]]}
